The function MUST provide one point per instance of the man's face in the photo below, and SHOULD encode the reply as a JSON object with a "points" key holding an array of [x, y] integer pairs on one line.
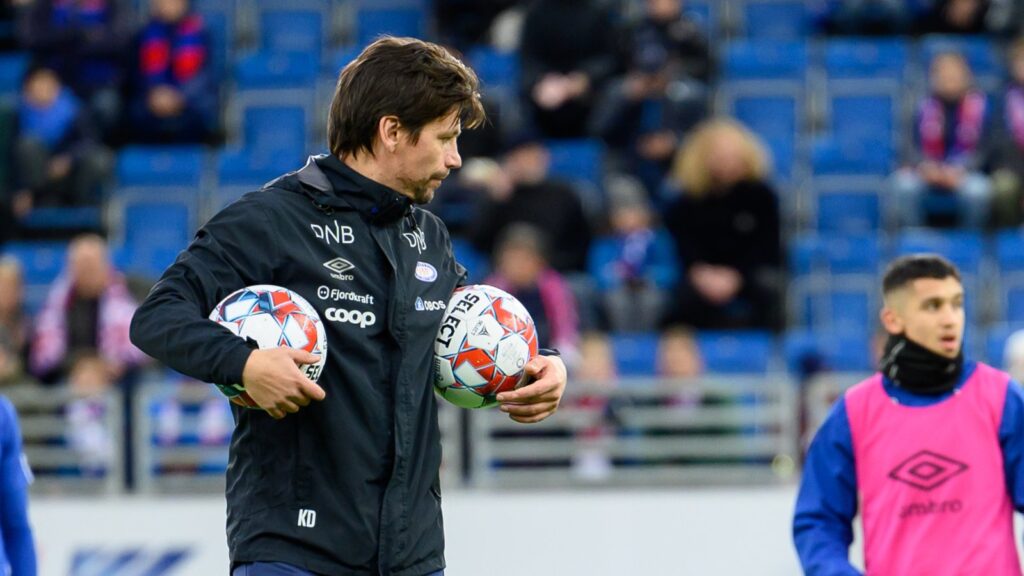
{"points": [[421, 166], [90, 269], [951, 79], [930, 312]]}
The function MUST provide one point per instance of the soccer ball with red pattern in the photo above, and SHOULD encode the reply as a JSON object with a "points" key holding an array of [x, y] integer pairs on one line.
{"points": [[485, 340], [271, 317]]}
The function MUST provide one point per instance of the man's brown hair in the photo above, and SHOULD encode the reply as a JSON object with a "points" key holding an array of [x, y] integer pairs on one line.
{"points": [[417, 81]]}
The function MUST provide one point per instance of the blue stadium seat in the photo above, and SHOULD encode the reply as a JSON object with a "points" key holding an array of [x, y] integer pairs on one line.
{"points": [[848, 212], [981, 53], [865, 59], [243, 168], [496, 70], [577, 160], [835, 254], [807, 350], [775, 19], [180, 166], [12, 69], [964, 248], [704, 13], [64, 218], [155, 231], [773, 118], [733, 352], [849, 157], [292, 31], [1009, 251], [274, 128], [863, 118], [396, 21], [266, 70], [765, 60], [635, 353], [995, 341], [476, 263], [221, 30], [41, 262]]}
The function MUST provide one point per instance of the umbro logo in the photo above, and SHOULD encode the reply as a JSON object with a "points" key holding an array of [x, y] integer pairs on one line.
{"points": [[927, 470], [338, 267]]}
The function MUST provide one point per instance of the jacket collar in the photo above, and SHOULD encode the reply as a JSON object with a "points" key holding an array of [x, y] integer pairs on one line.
{"points": [[330, 183]]}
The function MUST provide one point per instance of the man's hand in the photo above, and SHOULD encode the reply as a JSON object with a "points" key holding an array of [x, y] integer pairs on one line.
{"points": [[273, 380], [539, 399]]}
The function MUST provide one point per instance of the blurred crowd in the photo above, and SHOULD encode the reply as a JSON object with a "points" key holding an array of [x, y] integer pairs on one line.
{"points": [[683, 232]]}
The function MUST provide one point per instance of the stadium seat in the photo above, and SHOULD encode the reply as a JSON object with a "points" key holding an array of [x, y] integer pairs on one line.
{"points": [[269, 129], [342, 57], [221, 30], [775, 19], [964, 248], [396, 21], [12, 69], [835, 254], [705, 14], [266, 70], [848, 212], [1009, 251], [849, 157], [765, 60], [807, 350], [243, 168], [476, 263], [292, 31], [861, 118], [179, 166], [64, 218], [773, 118], [41, 262], [496, 70], [865, 59], [635, 353], [735, 352]]}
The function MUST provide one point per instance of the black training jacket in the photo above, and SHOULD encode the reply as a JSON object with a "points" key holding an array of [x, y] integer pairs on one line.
{"points": [[349, 485]]}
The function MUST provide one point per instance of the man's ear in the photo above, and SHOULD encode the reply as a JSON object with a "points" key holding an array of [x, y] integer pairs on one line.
{"points": [[891, 320], [389, 131]]}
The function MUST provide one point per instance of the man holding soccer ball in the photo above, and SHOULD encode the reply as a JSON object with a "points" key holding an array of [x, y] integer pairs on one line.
{"points": [[349, 485]]}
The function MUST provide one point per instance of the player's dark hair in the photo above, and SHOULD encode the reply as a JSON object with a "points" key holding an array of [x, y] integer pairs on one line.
{"points": [[905, 269], [417, 81]]}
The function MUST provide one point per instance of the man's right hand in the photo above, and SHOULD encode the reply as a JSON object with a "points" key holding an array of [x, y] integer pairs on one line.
{"points": [[273, 380]]}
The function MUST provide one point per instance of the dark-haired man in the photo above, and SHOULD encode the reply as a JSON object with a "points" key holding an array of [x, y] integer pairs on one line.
{"points": [[349, 486], [930, 449]]}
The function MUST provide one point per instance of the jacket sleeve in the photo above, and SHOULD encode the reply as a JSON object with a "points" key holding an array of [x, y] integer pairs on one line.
{"points": [[14, 479], [233, 250], [1011, 441], [827, 501]]}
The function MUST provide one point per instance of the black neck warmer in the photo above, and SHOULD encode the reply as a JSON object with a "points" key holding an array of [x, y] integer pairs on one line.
{"points": [[919, 370]]}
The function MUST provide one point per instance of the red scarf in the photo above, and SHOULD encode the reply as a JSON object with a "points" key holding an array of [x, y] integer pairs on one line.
{"points": [[1015, 114], [932, 127]]}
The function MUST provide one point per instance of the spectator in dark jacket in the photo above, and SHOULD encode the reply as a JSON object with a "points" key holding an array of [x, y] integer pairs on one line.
{"points": [[85, 42], [645, 112], [943, 180], [1007, 156], [725, 223], [568, 52], [58, 160], [521, 191], [174, 96]]}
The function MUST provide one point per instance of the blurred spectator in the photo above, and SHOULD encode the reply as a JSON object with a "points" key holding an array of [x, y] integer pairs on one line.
{"points": [[866, 17], [597, 359], [567, 54], [635, 266], [14, 328], [58, 158], [1013, 356], [521, 191], [521, 269], [1007, 157], [725, 222], [678, 354], [82, 331], [943, 183], [663, 93], [957, 17], [85, 42], [463, 24], [174, 93]]}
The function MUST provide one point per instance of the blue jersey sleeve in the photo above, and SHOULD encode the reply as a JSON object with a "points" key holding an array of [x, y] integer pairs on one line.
{"points": [[1011, 440], [827, 502], [14, 479]]}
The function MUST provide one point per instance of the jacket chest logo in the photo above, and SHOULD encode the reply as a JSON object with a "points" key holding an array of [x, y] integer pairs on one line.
{"points": [[333, 233], [416, 240], [338, 267]]}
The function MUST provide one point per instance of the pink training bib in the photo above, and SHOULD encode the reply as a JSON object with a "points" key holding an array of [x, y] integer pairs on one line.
{"points": [[932, 490]]}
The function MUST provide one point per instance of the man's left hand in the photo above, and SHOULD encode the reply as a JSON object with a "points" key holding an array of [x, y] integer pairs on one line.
{"points": [[538, 399]]}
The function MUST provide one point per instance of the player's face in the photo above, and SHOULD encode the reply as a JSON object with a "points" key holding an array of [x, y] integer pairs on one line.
{"points": [[423, 165], [931, 313]]}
